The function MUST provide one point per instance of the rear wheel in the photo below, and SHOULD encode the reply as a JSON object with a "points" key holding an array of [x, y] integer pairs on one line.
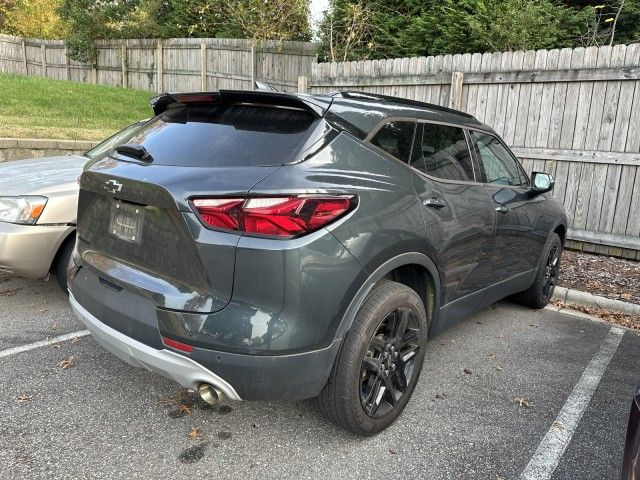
{"points": [[380, 362], [61, 262], [539, 294]]}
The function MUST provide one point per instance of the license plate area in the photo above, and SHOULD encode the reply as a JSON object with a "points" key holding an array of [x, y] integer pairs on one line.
{"points": [[126, 222]]}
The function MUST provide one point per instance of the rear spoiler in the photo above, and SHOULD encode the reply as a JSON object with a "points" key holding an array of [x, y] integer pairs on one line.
{"points": [[313, 105]]}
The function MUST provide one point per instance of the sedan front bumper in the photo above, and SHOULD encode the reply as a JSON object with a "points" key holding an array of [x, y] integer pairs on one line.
{"points": [[29, 250]]}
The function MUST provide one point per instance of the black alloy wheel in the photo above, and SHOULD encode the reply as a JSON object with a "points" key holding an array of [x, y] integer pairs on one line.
{"points": [[379, 364], [551, 271], [388, 365]]}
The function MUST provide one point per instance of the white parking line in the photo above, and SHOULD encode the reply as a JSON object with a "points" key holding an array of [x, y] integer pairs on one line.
{"points": [[546, 458], [43, 343]]}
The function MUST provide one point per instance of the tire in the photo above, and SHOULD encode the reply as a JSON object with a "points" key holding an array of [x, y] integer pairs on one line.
{"points": [[62, 262], [347, 399], [539, 293]]}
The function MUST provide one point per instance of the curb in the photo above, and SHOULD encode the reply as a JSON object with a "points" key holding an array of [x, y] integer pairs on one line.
{"points": [[47, 143], [585, 299]]}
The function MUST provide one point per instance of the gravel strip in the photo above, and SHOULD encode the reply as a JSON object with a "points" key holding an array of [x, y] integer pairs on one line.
{"points": [[610, 277]]}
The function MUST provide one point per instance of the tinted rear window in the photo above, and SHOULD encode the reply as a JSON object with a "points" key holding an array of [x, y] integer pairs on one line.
{"points": [[226, 135]]}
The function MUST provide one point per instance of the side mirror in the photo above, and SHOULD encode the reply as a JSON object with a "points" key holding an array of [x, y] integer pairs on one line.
{"points": [[541, 182]]}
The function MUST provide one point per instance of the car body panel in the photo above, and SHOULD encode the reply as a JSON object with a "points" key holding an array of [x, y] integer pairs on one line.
{"points": [[247, 304], [29, 250], [631, 458], [39, 176]]}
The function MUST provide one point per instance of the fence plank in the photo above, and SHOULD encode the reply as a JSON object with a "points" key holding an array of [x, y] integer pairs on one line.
{"points": [[524, 100], [574, 113], [529, 76], [623, 201], [579, 156], [633, 223]]}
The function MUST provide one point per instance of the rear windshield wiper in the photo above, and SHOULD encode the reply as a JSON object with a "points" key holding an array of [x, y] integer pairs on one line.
{"points": [[134, 150]]}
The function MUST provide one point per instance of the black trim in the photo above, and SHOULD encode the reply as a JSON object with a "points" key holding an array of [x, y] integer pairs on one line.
{"points": [[398, 101], [358, 299], [276, 377], [160, 103], [461, 308]]}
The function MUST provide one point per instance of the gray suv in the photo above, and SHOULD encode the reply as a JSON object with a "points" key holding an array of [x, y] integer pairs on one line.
{"points": [[261, 245]]}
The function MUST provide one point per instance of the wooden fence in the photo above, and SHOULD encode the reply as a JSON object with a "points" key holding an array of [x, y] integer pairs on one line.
{"points": [[573, 112], [177, 64]]}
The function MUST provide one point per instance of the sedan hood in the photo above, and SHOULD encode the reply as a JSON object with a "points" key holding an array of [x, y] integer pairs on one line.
{"points": [[39, 175]]}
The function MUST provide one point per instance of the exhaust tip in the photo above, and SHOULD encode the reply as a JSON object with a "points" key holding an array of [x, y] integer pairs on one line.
{"points": [[209, 393]]}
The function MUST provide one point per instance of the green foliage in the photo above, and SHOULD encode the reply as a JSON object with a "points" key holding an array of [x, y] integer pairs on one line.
{"points": [[627, 27], [497, 25], [88, 21], [256, 19], [31, 18], [398, 28]]}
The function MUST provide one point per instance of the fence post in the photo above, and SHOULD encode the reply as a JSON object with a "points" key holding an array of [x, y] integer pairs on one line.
{"points": [[123, 60], [203, 67], [253, 66], [24, 58], [455, 94], [67, 70], [303, 84], [94, 71], [159, 58], [43, 47]]}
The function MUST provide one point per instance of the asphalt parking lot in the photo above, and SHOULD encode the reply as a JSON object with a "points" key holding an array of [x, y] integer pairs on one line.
{"points": [[492, 391]]}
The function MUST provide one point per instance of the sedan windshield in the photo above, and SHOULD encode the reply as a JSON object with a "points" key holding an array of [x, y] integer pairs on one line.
{"points": [[114, 140]]}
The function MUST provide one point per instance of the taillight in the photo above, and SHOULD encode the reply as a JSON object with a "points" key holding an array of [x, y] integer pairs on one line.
{"points": [[277, 217]]}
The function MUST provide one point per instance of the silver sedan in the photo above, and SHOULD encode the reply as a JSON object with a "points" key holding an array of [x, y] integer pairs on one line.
{"points": [[38, 207]]}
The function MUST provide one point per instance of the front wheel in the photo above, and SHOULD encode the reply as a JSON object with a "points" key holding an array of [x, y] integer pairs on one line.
{"points": [[539, 293], [380, 361]]}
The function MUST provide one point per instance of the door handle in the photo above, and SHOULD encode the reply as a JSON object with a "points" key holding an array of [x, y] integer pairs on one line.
{"points": [[434, 202], [502, 209]]}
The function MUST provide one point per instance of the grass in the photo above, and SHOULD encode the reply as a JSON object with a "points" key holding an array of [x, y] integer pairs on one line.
{"points": [[34, 107]]}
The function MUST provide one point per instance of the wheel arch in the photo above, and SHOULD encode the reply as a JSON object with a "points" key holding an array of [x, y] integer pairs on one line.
{"points": [[67, 237], [416, 270], [561, 230]]}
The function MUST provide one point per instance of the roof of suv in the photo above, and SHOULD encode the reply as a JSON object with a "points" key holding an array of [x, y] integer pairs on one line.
{"points": [[363, 110], [366, 110]]}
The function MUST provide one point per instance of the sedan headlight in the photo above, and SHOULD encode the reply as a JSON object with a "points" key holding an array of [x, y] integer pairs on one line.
{"points": [[24, 210]]}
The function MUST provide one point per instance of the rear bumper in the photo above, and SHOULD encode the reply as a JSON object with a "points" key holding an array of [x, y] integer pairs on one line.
{"points": [[238, 376], [28, 250], [167, 363]]}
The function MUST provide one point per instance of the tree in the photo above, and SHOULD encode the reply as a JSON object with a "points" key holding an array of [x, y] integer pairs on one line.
{"points": [[399, 28], [497, 25], [270, 19], [347, 32], [31, 18], [256, 19], [613, 21]]}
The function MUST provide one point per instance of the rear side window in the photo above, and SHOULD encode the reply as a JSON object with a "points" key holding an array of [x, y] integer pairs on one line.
{"points": [[497, 164], [224, 135], [444, 153], [396, 139]]}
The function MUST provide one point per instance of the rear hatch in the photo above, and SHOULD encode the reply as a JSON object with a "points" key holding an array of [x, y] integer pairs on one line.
{"points": [[136, 226]]}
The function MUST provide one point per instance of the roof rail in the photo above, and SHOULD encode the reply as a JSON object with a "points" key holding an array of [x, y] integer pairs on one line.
{"points": [[397, 100]]}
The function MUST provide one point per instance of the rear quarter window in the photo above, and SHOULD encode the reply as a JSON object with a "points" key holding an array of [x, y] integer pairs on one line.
{"points": [[225, 135]]}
